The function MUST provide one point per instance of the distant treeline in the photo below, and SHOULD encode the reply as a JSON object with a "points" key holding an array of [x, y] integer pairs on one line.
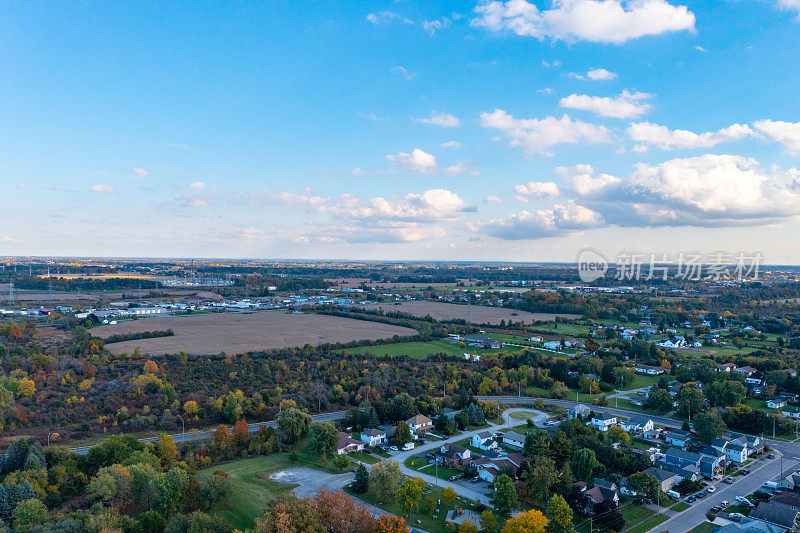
{"points": [[121, 337], [82, 284]]}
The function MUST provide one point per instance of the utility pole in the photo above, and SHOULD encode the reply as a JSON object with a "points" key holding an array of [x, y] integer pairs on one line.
{"points": [[773, 427]]}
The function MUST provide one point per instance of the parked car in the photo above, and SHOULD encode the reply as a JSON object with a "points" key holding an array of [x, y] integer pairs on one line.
{"points": [[393, 448], [453, 478], [475, 479], [728, 480], [725, 503], [736, 517], [711, 489], [771, 456], [716, 509], [745, 501], [701, 494], [690, 499]]}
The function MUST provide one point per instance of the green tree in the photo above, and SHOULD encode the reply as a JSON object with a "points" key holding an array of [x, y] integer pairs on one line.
{"points": [[323, 438], [293, 425], [384, 480], [28, 514], [559, 515], [409, 493], [467, 527], [361, 483], [540, 478], [489, 523], [448, 496], [504, 497], [584, 463], [690, 400], [169, 487], [708, 426], [645, 484], [402, 407], [616, 434], [402, 434], [166, 449], [660, 400], [726, 392]]}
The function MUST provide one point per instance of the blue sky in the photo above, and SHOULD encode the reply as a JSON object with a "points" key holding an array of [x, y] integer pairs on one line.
{"points": [[516, 130]]}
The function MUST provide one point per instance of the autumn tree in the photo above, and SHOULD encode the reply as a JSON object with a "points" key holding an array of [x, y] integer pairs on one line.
{"points": [[448, 496], [489, 522], [532, 521], [384, 480], [166, 449], [290, 514], [221, 437], [390, 524], [191, 408], [615, 433], [467, 527], [340, 514], [410, 492], [559, 515]]}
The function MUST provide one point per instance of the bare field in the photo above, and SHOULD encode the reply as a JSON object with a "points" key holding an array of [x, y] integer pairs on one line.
{"points": [[234, 333], [478, 314]]}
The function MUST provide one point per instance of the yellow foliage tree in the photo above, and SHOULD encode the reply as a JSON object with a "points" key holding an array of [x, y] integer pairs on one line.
{"points": [[532, 521]]}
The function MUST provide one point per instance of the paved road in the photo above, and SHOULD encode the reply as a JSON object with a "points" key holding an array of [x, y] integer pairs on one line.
{"points": [[192, 436]]}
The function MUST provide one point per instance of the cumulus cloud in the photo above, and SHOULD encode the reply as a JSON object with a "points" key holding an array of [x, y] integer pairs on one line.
{"points": [[609, 21], [560, 220], [431, 26], [432, 205], [197, 186], [492, 199], [451, 144], [667, 139], [387, 16], [535, 190], [790, 5], [583, 181], [421, 162], [536, 135], [141, 172], [626, 105], [404, 72], [103, 189], [786, 133], [595, 74], [441, 119]]}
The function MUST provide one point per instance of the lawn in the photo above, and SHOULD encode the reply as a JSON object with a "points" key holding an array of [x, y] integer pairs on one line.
{"points": [[625, 404], [648, 524], [642, 381], [429, 522], [680, 506], [421, 463], [705, 527], [634, 514], [523, 415], [250, 487], [417, 350]]}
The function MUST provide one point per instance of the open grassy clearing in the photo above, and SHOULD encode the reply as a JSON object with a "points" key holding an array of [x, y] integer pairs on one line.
{"points": [[478, 314], [418, 350]]}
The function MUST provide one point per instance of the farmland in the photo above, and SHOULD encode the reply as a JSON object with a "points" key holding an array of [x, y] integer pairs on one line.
{"points": [[477, 314], [418, 350], [238, 333]]}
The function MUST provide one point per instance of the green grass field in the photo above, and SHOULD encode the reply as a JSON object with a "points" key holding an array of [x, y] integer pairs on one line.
{"points": [[250, 487], [417, 350], [648, 524], [705, 527], [420, 463], [680, 506]]}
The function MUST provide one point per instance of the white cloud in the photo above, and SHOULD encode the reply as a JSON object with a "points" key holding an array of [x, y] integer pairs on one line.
{"points": [[421, 162], [441, 119], [626, 105], [551, 64], [432, 205], [546, 90], [141, 172], [666, 139], [790, 5], [699, 48], [560, 220], [492, 199], [387, 16], [451, 144], [103, 189], [582, 180], [431, 26], [536, 190], [404, 72], [197, 186], [418, 161], [535, 135], [600, 74], [786, 133], [610, 21]]}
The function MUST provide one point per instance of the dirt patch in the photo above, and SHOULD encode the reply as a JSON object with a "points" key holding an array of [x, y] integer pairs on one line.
{"points": [[234, 333], [478, 314]]}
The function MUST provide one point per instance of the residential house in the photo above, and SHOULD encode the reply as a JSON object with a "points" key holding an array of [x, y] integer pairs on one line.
{"points": [[678, 437], [776, 402], [578, 411], [738, 448], [348, 444], [491, 467], [727, 367], [691, 462], [637, 424], [483, 342], [484, 441], [775, 513], [649, 370], [552, 345], [637, 400], [419, 424], [454, 455], [666, 478], [374, 437], [597, 495], [514, 439], [791, 412], [792, 397], [746, 370], [603, 421]]}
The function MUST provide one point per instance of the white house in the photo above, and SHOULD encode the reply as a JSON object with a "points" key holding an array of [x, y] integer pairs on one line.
{"points": [[776, 402], [649, 370], [514, 439], [552, 345], [419, 424], [484, 441], [578, 411], [791, 412], [603, 421], [374, 437], [637, 424], [348, 444]]}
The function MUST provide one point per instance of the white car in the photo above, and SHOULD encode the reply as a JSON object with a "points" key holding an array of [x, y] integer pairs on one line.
{"points": [[744, 500], [711, 489]]}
